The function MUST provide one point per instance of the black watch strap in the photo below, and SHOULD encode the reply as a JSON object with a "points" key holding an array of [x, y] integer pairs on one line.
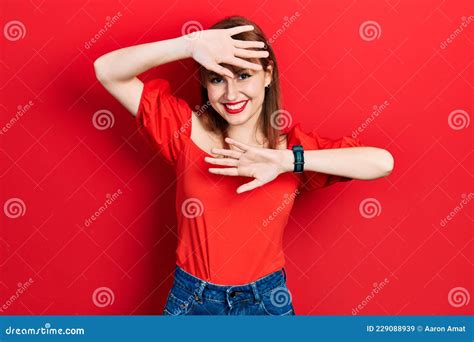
{"points": [[298, 152]]}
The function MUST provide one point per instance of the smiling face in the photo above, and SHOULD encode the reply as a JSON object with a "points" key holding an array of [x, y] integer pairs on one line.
{"points": [[240, 98]]}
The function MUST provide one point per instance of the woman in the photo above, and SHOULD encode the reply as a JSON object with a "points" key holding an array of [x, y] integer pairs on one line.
{"points": [[229, 255]]}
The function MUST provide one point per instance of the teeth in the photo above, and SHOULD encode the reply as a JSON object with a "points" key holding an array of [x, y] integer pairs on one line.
{"points": [[236, 106]]}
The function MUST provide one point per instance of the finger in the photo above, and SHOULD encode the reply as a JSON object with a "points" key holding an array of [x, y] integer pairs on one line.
{"points": [[228, 171], [227, 153], [248, 44], [251, 53], [239, 29], [222, 161], [249, 186], [244, 64], [220, 70], [238, 144]]}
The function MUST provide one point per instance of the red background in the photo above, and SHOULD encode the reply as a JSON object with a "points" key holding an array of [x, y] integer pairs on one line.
{"points": [[62, 167]]}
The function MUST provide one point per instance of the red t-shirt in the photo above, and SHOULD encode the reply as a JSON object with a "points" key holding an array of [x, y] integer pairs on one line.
{"points": [[223, 237]]}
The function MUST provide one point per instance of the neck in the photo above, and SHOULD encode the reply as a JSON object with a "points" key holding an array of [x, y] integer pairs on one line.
{"points": [[249, 133]]}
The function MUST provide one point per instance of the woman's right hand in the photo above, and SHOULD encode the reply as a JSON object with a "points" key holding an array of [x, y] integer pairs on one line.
{"points": [[213, 47]]}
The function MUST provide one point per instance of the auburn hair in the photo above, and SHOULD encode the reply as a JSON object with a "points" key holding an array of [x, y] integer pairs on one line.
{"points": [[271, 107]]}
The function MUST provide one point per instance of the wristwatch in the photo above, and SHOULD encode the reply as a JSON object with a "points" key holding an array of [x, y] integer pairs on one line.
{"points": [[298, 152]]}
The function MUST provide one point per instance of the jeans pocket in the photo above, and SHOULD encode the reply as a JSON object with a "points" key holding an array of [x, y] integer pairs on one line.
{"points": [[179, 302], [277, 302]]}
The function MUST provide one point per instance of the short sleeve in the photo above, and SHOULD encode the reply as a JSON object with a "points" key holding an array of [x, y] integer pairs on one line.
{"points": [[310, 180], [164, 119]]}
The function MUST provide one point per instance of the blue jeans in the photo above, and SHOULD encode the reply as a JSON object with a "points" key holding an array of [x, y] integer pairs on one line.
{"points": [[193, 296]]}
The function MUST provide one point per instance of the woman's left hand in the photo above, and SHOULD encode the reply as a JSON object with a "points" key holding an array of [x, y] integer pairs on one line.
{"points": [[263, 164]]}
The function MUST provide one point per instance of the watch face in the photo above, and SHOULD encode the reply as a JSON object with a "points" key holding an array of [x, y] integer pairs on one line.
{"points": [[297, 147], [299, 158]]}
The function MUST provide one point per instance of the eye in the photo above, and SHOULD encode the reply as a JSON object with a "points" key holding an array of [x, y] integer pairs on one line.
{"points": [[216, 80], [244, 75]]}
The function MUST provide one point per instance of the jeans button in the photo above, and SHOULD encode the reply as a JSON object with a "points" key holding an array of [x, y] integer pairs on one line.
{"points": [[232, 294]]}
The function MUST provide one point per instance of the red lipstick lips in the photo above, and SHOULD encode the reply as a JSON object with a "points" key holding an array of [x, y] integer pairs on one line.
{"points": [[235, 107]]}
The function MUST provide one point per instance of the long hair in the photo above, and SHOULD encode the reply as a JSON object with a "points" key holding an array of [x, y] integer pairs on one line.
{"points": [[271, 103]]}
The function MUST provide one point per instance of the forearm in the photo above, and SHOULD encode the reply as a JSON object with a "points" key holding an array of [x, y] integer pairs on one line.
{"points": [[126, 63], [354, 162]]}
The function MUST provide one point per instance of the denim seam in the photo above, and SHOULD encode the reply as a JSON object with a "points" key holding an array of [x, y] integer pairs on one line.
{"points": [[188, 290], [190, 302], [262, 305], [280, 284], [223, 301]]}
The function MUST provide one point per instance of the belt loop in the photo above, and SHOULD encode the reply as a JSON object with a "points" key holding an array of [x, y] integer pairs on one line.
{"points": [[255, 292], [229, 303], [198, 292]]}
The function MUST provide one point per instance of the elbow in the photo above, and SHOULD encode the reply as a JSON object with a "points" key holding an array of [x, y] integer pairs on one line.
{"points": [[99, 70], [387, 165]]}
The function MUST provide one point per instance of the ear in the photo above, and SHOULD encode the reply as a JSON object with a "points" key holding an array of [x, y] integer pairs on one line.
{"points": [[269, 73]]}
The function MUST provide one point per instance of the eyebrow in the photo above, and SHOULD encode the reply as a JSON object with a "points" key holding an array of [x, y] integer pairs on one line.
{"points": [[213, 74]]}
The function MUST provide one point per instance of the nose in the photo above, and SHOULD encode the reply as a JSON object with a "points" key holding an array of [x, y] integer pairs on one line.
{"points": [[231, 90]]}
